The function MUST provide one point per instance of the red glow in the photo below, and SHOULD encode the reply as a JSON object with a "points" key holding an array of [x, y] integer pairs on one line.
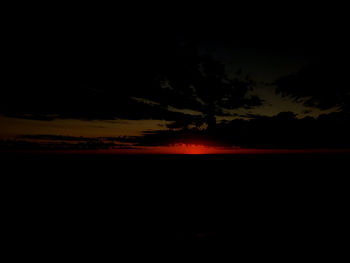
{"points": [[195, 149], [191, 149]]}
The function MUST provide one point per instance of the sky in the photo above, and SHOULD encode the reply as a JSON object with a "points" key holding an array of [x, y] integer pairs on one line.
{"points": [[75, 82]]}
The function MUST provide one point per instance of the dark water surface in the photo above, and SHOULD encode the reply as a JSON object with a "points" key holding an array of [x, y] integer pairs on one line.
{"points": [[202, 207]]}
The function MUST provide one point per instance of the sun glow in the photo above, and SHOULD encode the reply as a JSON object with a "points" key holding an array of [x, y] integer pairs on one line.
{"points": [[190, 149], [193, 149], [182, 148]]}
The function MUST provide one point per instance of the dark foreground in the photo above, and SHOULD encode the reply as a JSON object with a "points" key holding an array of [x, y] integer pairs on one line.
{"points": [[275, 207]]}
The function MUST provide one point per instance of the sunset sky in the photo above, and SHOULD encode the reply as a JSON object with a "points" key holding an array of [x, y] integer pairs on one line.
{"points": [[175, 130], [99, 85]]}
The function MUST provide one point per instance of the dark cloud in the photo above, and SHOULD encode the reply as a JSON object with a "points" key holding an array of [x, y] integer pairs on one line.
{"points": [[284, 130], [67, 70], [174, 137], [200, 82], [103, 70], [63, 103], [50, 146], [323, 85], [61, 142], [49, 137]]}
